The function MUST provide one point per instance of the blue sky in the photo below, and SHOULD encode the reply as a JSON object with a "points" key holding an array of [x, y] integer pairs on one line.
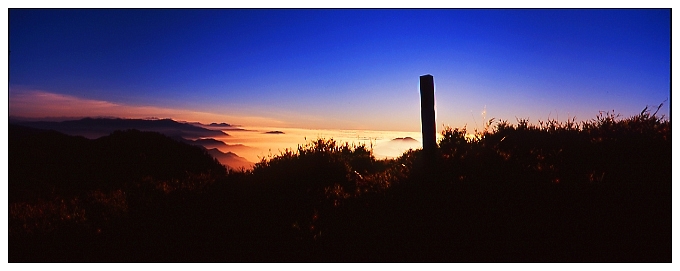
{"points": [[340, 69]]}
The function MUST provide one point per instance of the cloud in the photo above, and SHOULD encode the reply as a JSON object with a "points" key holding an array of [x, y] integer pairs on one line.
{"points": [[42, 104]]}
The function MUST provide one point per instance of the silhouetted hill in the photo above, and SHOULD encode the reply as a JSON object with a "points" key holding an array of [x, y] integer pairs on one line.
{"points": [[97, 127], [404, 139], [238, 148], [190, 133], [43, 159], [208, 143], [214, 147], [219, 124], [231, 160], [395, 147]]}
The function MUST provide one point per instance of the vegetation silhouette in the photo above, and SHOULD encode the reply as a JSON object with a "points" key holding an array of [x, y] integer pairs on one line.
{"points": [[594, 191]]}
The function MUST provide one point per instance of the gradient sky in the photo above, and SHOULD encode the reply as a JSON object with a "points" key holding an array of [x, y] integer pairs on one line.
{"points": [[339, 69]]}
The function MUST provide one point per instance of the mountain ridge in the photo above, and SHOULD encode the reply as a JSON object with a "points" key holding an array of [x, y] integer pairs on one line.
{"points": [[47, 158], [97, 127]]}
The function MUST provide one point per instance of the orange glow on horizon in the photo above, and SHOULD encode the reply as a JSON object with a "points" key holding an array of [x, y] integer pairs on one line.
{"points": [[255, 142], [42, 104]]}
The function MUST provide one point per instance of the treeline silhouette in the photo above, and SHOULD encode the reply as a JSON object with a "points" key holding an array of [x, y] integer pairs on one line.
{"points": [[594, 191]]}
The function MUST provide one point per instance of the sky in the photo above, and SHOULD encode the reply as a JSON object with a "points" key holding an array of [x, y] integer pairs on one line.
{"points": [[338, 68]]}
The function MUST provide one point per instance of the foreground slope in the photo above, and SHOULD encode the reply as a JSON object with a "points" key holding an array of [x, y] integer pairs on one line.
{"points": [[597, 191]]}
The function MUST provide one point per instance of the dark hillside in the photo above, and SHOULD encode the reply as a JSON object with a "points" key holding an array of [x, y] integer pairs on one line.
{"points": [[42, 159], [596, 191], [133, 154]]}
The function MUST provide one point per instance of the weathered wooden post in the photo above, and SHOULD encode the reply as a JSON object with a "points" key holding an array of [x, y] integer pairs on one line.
{"points": [[427, 121]]}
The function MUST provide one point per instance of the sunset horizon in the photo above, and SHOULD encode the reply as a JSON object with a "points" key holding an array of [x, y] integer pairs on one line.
{"points": [[340, 135], [262, 67]]}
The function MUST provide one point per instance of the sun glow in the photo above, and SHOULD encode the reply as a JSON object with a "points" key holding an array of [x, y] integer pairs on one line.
{"points": [[256, 143]]}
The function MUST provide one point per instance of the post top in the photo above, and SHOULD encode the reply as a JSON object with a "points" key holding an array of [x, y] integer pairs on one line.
{"points": [[427, 75]]}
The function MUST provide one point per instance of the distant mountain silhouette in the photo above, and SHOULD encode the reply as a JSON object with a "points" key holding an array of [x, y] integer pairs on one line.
{"points": [[231, 160], [208, 143], [219, 124], [275, 132], [98, 127], [41, 159], [238, 148], [217, 149], [186, 132], [395, 147], [211, 143], [404, 139]]}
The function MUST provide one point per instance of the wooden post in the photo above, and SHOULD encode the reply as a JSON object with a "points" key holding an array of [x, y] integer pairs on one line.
{"points": [[428, 124]]}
